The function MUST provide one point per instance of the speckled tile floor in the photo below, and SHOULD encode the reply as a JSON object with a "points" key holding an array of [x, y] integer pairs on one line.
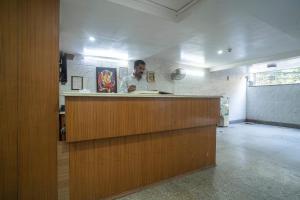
{"points": [[253, 162]]}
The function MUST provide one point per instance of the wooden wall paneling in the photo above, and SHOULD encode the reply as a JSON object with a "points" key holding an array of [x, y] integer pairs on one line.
{"points": [[38, 56], [106, 167], [8, 99], [29, 98], [92, 117]]}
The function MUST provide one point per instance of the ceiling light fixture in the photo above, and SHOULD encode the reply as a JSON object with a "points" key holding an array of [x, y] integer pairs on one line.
{"points": [[228, 50], [220, 52], [92, 39]]}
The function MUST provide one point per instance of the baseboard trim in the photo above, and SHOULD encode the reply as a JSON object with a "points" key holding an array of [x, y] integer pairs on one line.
{"points": [[237, 121], [274, 123]]}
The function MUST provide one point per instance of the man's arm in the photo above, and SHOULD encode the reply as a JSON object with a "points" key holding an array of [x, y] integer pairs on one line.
{"points": [[131, 88]]}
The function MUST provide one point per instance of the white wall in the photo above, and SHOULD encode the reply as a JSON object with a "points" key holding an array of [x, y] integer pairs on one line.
{"points": [[234, 88], [280, 103], [199, 81], [209, 83]]}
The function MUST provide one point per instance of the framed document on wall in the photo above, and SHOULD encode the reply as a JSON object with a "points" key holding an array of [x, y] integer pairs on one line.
{"points": [[150, 76], [76, 82], [106, 79]]}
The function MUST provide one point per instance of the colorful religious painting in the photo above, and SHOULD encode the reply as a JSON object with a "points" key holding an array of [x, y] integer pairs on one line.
{"points": [[106, 79]]}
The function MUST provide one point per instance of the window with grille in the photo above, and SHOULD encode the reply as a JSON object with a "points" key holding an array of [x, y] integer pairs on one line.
{"points": [[278, 77]]}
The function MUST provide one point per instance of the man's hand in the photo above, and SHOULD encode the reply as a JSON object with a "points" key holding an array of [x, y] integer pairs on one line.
{"points": [[131, 88]]}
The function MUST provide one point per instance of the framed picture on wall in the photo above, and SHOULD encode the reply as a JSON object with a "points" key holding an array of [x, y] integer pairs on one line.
{"points": [[150, 76], [106, 79], [76, 82]]}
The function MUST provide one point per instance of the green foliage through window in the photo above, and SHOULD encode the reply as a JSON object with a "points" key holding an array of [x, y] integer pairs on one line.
{"points": [[278, 77]]}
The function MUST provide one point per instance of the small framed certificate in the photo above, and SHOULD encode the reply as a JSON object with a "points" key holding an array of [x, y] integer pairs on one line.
{"points": [[76, 82], [150, 76]]}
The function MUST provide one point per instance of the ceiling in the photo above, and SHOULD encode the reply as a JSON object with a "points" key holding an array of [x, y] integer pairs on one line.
{"points": [[167, 9], [255, 30], [175, 5]]}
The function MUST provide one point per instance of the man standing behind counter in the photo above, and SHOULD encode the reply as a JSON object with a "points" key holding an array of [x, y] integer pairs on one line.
{"points": [[136, 81]]}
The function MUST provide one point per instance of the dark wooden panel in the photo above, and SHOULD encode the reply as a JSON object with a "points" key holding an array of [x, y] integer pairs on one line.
{"points": [[38, 98], [103, 117], [8, 99], [106, 167]]}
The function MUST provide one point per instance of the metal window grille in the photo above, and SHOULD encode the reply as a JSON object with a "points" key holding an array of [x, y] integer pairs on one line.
{"points": [[278, 77]]}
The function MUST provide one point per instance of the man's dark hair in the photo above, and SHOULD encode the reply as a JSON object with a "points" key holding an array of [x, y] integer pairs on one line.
{"points": [[139, 62]]}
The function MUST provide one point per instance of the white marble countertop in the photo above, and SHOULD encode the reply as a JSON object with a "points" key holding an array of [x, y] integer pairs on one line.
{"points": [[81, 94]]}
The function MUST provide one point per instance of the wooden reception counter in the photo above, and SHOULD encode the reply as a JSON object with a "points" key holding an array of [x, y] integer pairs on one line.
{"points": [[121, 142]]}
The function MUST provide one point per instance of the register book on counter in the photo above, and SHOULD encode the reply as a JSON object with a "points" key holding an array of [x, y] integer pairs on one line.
{"points": [[150, 92]]}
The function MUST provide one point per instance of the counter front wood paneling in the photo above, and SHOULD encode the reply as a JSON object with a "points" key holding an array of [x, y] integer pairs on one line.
{"points": [[63, 169], [104, 117], [106, 167], [121, 144]]}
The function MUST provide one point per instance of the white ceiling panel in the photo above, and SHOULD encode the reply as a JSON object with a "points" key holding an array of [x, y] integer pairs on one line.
{"points": [[167, 9], [175, 5], [255, 30]]}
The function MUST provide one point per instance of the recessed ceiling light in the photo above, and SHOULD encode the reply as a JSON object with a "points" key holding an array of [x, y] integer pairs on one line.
{"points": [[220, 52], [92, 39]]}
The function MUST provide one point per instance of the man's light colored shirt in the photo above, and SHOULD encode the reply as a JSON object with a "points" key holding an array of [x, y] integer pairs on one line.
{"points": [[141, 85]]}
